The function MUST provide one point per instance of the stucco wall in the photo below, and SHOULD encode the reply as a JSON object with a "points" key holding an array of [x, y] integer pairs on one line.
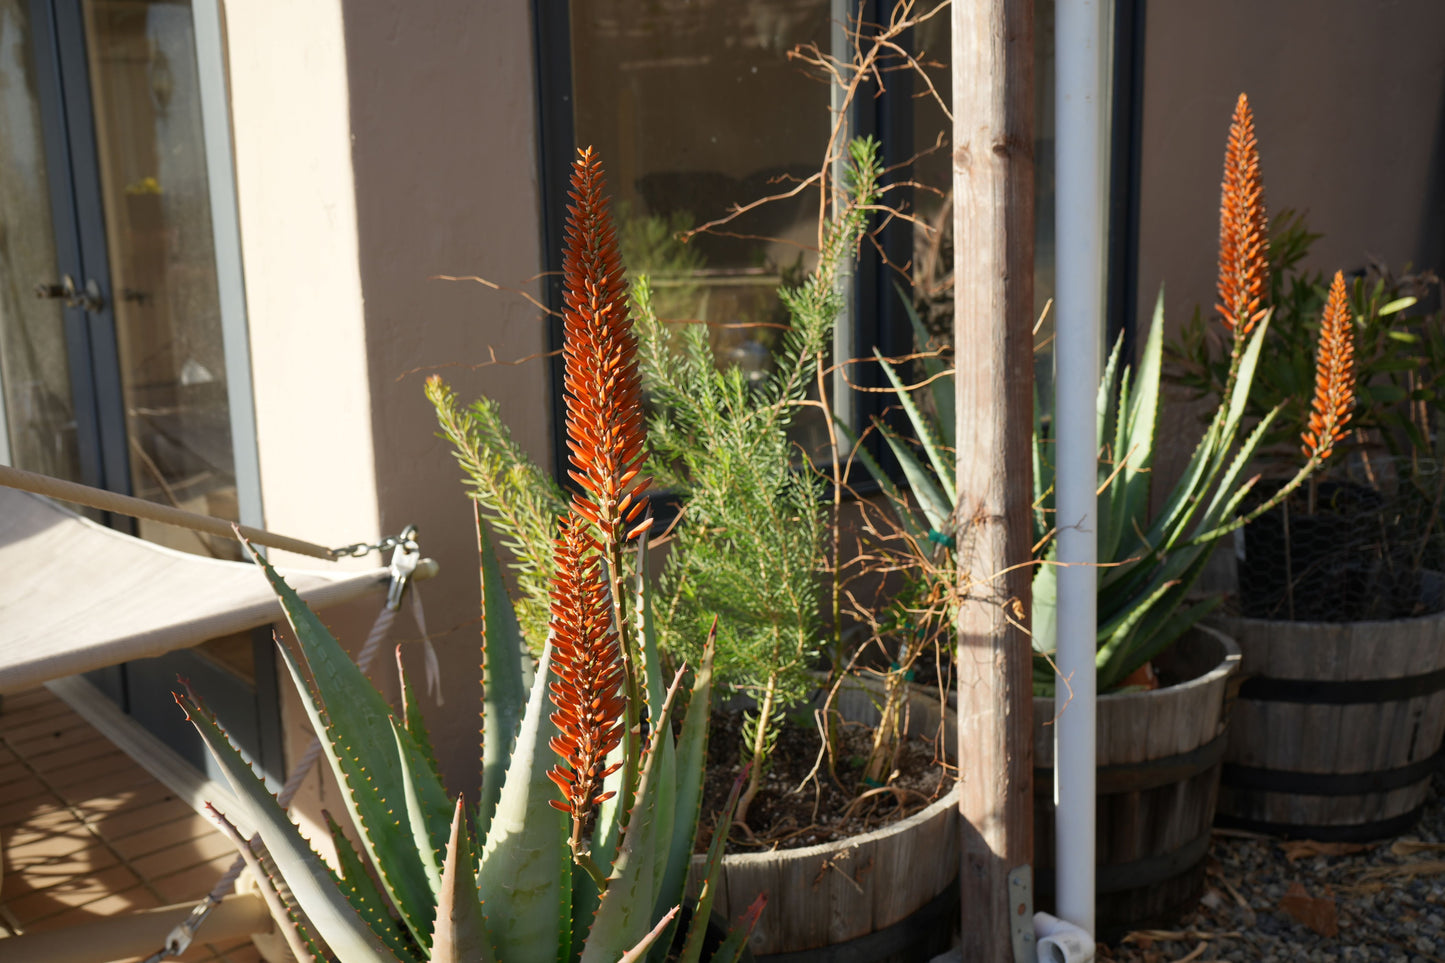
{"points": [[379, 144], [443, 119]]}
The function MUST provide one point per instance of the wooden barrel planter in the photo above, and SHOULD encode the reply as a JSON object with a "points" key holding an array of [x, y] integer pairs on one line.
{"points": [[1338, 725], [1159, 755], [888, 896]]}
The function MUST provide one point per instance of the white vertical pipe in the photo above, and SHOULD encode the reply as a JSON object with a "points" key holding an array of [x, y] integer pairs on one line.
{"points": [[1079, 190]]}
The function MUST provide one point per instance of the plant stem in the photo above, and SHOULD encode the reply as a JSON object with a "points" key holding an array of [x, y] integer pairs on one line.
{"points": [[759, 749], [583, 857], [632, 737]]}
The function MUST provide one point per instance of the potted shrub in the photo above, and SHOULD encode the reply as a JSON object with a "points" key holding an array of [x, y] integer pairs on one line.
{"points": [[1165, 679], [1340, 607]]}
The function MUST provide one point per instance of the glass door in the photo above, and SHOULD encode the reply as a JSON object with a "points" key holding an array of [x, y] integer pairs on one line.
{"points": [[130, 393]]}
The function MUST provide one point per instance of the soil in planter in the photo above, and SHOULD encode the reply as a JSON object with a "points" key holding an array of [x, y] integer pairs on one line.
{"points": [[783, 816]]}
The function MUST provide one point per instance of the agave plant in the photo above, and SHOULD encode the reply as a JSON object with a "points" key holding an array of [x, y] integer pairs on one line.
{"points": [[579, 845], [1148, 565]]}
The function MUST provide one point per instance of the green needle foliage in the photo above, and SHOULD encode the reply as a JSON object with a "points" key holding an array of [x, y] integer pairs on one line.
{"points": [[518, 498], [750, 545]]}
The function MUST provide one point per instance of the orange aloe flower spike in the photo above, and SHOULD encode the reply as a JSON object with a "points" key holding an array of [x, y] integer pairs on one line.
{"points": [[1334, 375], [587, 663], [601, 380], [1243, 228]]}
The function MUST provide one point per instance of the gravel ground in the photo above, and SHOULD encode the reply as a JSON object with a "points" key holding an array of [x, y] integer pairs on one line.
{"points": [[1279, 902]]}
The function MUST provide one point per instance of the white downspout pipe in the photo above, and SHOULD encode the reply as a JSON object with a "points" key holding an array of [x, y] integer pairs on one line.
{"points": [[1080, 63]]}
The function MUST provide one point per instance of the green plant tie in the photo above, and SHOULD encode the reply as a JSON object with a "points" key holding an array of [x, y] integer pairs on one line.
{"points": [[872, 783], [938, 538]]}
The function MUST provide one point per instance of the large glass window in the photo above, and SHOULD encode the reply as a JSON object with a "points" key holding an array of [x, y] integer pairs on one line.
{"points": [[152, 163], [696, 106]]}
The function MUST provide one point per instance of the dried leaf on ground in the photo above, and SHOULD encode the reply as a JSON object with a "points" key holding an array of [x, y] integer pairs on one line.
{"points": [[1316, 912], [1409, 847], [1194, 954], [1146, 938], [1423, 867], [1304, 848]]}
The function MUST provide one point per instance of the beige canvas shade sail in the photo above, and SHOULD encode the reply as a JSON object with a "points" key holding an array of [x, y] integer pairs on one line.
{"points": [[77, 596]]}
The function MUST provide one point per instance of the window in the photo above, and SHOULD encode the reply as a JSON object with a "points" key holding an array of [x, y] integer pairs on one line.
{"points": [[695, 106]]}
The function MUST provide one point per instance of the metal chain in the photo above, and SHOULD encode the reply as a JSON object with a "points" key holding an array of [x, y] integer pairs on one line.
{"points": [[406, 540]]}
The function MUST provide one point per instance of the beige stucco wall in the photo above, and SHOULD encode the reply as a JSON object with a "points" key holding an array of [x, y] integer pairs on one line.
{"points": [[378, 144], [1349, 101]]}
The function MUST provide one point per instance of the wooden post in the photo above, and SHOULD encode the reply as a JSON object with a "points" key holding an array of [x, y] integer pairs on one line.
{"points": [[993, 230]]}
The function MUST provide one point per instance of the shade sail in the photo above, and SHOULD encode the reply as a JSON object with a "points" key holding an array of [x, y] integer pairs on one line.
{"points": [[77, 596]]}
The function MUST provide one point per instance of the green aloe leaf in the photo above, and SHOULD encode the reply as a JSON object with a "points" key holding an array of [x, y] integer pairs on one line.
{"points": [[937, 507], [308, 877], [525, 880], [460, 935], [712, 876], [361, 892], [426, 805], [691, 766], [940, 386], [354, 722], [636, 954], [940, 456], [503, 693], [412, 718], [626, 912], [916, 527], [732, 947]]}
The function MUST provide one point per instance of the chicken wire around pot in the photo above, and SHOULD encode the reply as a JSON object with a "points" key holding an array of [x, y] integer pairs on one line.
{"points": [[1348, 548]]}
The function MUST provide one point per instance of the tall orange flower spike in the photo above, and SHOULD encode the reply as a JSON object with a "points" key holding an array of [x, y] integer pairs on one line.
{"points": [[1334, 375], [587, 662], [1243, 228], [603, 387]]}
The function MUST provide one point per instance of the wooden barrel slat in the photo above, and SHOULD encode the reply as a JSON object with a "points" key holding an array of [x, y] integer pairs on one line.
{"points": [[829, 894], [1333, 735], [1146, 826]]}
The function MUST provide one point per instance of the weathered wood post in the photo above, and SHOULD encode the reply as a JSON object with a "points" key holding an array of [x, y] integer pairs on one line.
{"points": [[993, 183]]}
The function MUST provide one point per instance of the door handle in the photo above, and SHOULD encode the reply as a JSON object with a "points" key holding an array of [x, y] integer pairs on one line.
{"points": [[90, 299]]}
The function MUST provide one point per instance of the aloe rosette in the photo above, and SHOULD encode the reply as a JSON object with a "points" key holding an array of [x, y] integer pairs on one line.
{"points": [[505, 893]]}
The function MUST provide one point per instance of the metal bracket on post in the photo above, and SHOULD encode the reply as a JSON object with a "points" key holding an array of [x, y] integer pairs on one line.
{"points": [[1021, 913]]}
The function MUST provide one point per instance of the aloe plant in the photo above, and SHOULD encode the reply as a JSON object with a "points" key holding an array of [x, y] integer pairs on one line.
{"points": [[579, 845]]}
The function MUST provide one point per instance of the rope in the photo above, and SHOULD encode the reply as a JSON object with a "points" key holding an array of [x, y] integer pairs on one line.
{"points": [[180, 937], [78, 494]]}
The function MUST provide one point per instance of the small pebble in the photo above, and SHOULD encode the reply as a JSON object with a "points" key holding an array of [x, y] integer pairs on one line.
{"points": [[1384, 913]]}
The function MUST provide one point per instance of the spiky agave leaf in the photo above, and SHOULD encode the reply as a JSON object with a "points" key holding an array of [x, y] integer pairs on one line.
{"points": [[690, 768], [712, 876], [626, 912], [274, 892], [307, 876], [353, 721], [525, 878], [360, 891], [503, 692], [460, 935], [732, 946]]}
